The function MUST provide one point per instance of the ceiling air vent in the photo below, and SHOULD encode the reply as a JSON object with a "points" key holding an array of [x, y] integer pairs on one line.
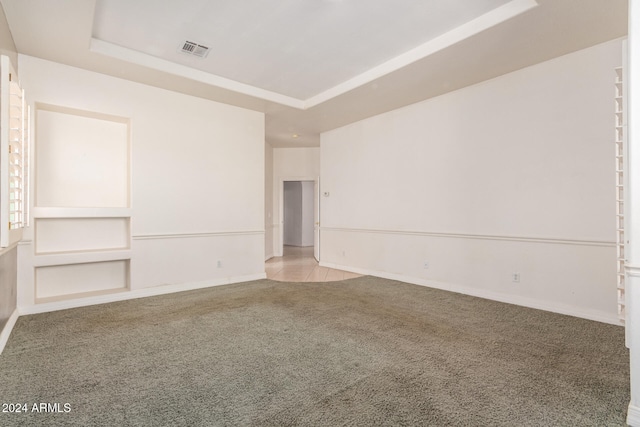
{"points": [[194, 49]]}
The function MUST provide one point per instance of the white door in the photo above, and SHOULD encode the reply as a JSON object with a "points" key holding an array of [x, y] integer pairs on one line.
{"points": [[316, 219]]}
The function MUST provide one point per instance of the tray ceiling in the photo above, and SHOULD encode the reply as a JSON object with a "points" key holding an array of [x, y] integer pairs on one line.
{"points": [[310, 65]]}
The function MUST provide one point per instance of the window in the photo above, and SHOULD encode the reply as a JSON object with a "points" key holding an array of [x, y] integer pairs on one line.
{"points": [[14, 156]]}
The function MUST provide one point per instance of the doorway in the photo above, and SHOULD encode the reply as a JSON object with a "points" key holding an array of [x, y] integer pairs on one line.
{"points": [[300, 214]]}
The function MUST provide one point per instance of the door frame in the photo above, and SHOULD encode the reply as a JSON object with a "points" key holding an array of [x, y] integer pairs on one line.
{"points": [[279, 246]]}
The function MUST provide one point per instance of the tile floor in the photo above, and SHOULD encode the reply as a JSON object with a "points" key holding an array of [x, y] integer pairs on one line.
{"points": [[299, 265]]}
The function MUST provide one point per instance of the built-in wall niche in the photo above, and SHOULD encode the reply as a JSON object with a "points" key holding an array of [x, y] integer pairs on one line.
{"points": [[82, 158], [57, 282], [63, 235], [82, 211]]}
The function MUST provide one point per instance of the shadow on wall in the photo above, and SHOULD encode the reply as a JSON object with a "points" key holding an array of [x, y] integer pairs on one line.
{"points": [[298, 213]]}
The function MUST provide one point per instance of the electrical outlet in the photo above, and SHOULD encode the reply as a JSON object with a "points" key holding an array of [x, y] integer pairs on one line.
{"points": [[219, 264], [344, 253], [426, 265], [515, 277]]}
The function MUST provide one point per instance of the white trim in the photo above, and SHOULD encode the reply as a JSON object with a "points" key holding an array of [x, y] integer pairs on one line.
{"points": [[63, 213], [633, 416], [464, 31], [481, 293], [526, 239], [134, 294], [84, 257], [279, 245], [8, 327], [632, 270], [203, 234], [468, 29]]}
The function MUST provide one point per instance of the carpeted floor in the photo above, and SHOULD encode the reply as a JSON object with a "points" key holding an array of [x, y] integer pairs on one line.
{"points": [[365, 351]]}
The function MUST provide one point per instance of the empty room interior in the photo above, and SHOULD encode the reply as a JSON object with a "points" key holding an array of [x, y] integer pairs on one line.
{"points": [[461, 179]]}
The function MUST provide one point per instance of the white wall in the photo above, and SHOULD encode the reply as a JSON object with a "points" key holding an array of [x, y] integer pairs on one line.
{"points": [[515, 174], [198, 169], [290, 164], [632, 209], [306, 220]]}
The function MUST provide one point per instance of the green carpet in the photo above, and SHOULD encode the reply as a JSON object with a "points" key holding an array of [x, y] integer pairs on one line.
{"points": [[364, 352]]}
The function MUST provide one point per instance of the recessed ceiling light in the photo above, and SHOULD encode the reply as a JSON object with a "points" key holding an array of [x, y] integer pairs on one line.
{"points": [[295, 135]]}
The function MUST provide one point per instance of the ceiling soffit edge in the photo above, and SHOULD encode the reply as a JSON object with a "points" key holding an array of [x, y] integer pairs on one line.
{"points": [[448, 39], [469, 29], [158, 64]]}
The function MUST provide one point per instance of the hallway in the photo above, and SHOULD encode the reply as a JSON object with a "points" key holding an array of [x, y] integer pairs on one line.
{"points": [[299, 265]]}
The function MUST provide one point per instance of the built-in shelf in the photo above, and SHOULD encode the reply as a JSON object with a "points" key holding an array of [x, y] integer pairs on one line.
{"points": [[82, 221], [64, 281], [64, 212], [80, 257], [78, 234]]}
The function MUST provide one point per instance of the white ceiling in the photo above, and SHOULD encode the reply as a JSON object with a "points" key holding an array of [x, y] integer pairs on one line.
{"points": [[311, 65], [297, 48]]}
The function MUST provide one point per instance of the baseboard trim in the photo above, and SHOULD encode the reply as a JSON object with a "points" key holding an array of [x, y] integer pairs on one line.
{"points": [[8, 327], [481, 293], [633, 416], [134, 294]]}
